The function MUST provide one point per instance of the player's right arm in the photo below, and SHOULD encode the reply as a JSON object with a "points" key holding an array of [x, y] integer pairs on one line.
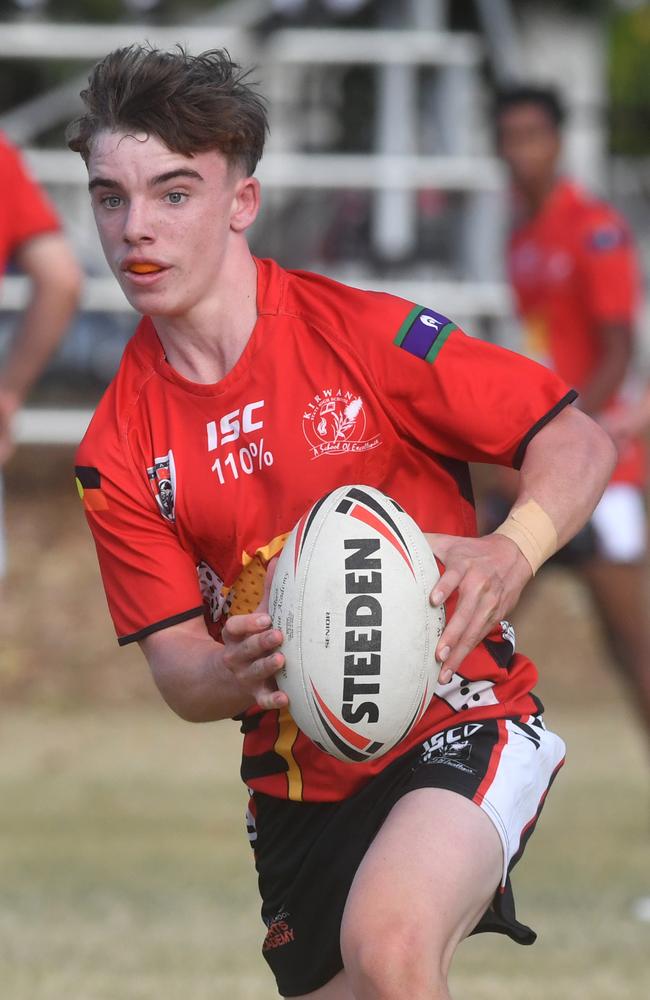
{"points": [[203, 680], [153, 590]]}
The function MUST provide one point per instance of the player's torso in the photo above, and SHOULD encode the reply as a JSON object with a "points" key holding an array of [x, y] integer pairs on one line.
{"points": [[232, 471], [545, 269]]}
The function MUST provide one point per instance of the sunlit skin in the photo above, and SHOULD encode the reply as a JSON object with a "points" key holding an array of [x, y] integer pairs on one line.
{"points": [[529, 143], [173, 231]]}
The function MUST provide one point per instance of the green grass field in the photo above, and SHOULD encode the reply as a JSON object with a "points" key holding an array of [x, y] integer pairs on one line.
{"points": [[125, 872]]}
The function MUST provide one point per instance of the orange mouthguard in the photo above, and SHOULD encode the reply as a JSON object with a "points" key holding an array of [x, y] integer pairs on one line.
{"points": [[144, 268]]}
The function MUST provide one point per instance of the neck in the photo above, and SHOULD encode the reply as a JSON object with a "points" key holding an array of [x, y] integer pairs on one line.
{"points": [[205, 343], [535, 195]]}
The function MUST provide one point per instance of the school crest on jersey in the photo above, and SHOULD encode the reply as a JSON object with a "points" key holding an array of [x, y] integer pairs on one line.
{"points": [[162, 479], [335, 422]]}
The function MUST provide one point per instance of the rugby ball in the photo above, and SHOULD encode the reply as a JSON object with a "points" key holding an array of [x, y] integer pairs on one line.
{"points": [[351, 596]]}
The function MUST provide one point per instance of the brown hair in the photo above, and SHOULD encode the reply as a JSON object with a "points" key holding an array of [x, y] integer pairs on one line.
{"points": [[192, 103]]}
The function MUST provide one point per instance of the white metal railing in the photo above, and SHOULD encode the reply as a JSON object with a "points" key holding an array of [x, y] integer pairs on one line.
{"points": [[322, 170], [51, 426], [99, 295], [373, 45], [458, 298], [46, 40], [89, 42], [454, 54]]}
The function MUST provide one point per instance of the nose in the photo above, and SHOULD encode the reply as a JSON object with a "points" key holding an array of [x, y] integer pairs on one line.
{"points": [[138, 227]]}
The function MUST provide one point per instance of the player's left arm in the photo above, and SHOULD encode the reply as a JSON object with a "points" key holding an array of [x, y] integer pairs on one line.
{"points": [[565, 470], [55, 283], [615, 349], [627, 422]]}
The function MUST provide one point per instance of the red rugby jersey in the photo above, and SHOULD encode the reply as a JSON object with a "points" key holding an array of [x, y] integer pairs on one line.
{"points": [[25, 211], [191, 489], [572, 267]]}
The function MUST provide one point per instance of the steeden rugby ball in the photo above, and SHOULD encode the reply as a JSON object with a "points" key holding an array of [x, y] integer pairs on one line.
{"points": [[351, 596]]}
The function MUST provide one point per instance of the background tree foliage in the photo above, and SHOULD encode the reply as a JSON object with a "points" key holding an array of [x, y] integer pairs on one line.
{"points": [[629, 82]]}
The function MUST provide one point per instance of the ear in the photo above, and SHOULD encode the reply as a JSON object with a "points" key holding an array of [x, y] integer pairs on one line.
{"points": [[245, 204]]}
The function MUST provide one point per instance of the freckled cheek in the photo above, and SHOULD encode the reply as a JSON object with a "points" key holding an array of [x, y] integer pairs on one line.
{"points": [[110, 235], [202, 243]]}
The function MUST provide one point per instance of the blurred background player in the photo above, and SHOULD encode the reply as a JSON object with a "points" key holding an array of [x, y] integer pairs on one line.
{"points": [[30, 236], [627, 422], [573, 269]]}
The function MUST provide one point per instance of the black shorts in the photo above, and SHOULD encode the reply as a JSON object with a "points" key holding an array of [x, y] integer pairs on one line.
{"points": [[307, 854]]}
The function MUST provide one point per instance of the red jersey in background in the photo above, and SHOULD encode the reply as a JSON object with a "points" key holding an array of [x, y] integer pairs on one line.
{"points": [[573, 267], [25, 211]]}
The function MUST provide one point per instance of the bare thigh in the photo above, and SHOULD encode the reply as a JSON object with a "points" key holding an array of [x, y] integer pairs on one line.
{"points": [[422, 887], [425, 882]]}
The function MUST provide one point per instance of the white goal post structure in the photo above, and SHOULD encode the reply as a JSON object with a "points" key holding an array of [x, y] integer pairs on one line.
{"points": [[393, 173]]}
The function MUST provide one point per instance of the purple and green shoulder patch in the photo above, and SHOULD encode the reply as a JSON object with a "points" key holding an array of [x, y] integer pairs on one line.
{"points": [[423, 333]]}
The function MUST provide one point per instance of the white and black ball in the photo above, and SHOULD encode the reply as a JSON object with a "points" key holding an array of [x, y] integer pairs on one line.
{"points": [[351, 596]]}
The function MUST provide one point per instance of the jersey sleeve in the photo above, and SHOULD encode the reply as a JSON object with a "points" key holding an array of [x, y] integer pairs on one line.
{"points": [[462, 397], [608, 269], [150, 580], [30, 212]]}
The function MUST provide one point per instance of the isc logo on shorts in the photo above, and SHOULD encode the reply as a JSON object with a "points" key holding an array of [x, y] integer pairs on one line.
{"points": [[451, 747]]}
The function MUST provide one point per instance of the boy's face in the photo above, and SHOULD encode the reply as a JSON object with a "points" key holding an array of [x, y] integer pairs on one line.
{"points": [[165, 220], [529, 143]]}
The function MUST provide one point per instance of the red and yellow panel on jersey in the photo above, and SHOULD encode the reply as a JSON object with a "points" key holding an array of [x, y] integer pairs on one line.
{"points": [[424, 332], [89, 487]]}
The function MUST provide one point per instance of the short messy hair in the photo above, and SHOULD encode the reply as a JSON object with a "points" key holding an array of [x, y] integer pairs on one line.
{"points": [[192, 103], [545, 98]]}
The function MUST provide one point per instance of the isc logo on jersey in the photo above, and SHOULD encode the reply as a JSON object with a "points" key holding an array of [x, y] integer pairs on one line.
{"points": [[237, 459], [351, 596], [242, 420]]}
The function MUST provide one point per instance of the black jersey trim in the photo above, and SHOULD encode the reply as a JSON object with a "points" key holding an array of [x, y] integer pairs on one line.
{"points": [[542, 422], [461, 475], [500, 650], [262, 765], [184, 616], [538, 703], [249, 723]]}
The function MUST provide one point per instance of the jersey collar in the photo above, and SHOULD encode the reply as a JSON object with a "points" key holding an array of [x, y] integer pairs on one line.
{"points": [[562, 196], [271, 282]]}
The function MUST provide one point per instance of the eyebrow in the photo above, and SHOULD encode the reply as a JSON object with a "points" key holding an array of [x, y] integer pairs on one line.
{"points": [[170, 175], [102, 182]]}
